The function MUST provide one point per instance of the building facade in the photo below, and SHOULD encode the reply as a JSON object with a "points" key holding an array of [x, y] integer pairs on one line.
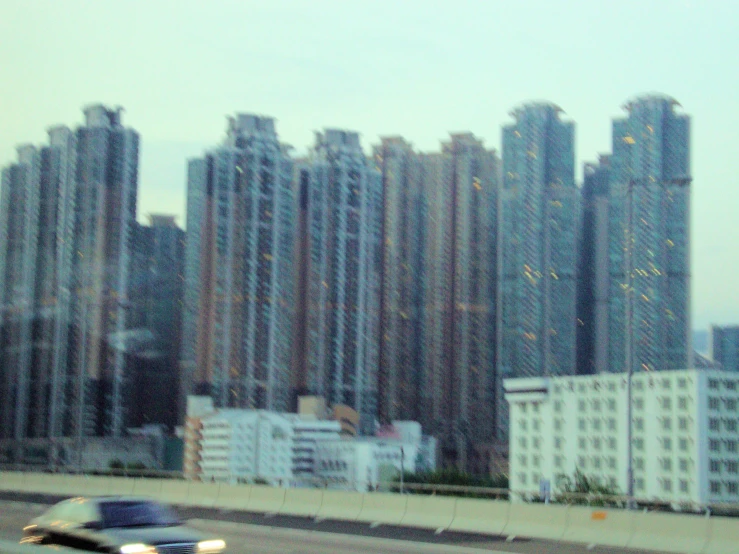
{"points": [[239, 295], [685, 446], [341, 285], [68, 209], [593, 275], [538, 263], [402, 282], [725, 347], [457, 385], [649, 239]]}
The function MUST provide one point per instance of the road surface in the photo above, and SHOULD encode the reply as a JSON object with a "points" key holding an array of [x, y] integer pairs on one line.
{"points": [[258, 534]]}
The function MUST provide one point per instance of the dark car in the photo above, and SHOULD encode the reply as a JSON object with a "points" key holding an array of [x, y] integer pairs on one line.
{"points": [[118, 525]]}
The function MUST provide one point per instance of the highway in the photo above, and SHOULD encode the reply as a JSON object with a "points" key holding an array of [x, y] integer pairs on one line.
{"points": [[257, 534]]}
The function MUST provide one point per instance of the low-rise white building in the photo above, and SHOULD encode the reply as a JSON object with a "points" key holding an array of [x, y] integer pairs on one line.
{"points": [[685, 445], [365, 463], [236, 444]]}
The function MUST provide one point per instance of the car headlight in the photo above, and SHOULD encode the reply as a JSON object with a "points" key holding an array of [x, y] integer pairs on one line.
{"points": [[211, 547], [138, 548]]}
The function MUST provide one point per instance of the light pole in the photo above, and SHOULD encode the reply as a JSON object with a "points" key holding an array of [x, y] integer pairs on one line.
{"points": [[402, 468]]}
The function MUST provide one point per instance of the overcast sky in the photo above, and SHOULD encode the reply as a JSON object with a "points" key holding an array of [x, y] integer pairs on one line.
{"points": [[416, 68]]}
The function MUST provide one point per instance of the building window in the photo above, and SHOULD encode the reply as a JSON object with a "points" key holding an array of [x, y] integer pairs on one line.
{"points": [[731, 446], [596, 463], [581, 462], [522, 442], [596, 424], [558, 461], [611, 463], [537, 443], [682, 383], [557, 407], [666, 384], [682, 423], [522, 478], [667, 485], [582, 443], [713, 445], [639, 403], [581, 424], [639, 464], [715, 487], [639, 484], [581, 405], [611, 424], [667, 424], [611, 405], [557, 424], [683, 485], [666, 403], [715, 466], [713, 384], [713, 424], [732, 467], [683, 465], [666, 464], [731, 425], [612, 443], [682, 403], [523, 461], [523, 425], [596, 405], [667, 443], [683, 445], [731, 404], [639, 444], [639, 424], [731, 488], [536, 425], [596, 443], [558, 443], [713, 403]]}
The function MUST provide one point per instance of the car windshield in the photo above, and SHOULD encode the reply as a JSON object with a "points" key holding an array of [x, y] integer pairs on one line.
{"points": [[136, 514]]}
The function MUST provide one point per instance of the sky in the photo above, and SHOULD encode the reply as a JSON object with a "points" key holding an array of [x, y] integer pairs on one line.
{"points": [[420, 69]]}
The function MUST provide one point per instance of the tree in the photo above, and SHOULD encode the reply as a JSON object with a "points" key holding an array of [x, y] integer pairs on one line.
{"points": [[450, 477], [581, 489]]}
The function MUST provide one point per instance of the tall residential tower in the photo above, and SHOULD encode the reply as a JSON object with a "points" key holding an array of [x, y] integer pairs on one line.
{"points": [[343, 199], [239, 299], [539, 215]]}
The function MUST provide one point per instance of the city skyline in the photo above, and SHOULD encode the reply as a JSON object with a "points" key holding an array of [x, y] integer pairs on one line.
{"points": [[421, 73]]}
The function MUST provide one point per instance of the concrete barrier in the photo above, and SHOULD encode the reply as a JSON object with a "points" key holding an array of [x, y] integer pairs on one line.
{"points": [[36, 482], [542, 521], [480, 516], [686, 534], [147, 487], [382, 507], [202, 494], [429, 512], [723, 536], [11, 480], [94, 486], [265, 499], [233, 497], [342, 505], [173, 491], [599, 526], [302, 502], [120, 486]]}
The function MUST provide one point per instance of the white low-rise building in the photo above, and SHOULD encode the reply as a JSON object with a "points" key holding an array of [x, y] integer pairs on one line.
{"points": [[365, 463], [248, 445], [685, 445]]}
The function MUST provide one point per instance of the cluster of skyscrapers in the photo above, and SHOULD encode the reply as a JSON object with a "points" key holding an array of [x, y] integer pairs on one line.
{"points": [[404, 284]]}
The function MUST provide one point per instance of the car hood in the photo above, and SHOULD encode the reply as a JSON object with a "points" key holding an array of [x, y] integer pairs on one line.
{"points": [[153, 535]]}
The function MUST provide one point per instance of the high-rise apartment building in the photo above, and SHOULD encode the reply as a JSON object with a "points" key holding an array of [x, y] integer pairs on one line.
{"points": [[725, 346], [68, 209], [538, 268], [402, 283], [239, 281], [457, 384], [648, 240], [343, 198], [593, 281]]}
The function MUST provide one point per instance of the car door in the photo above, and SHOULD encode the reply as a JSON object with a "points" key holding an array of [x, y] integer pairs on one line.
{"points": [[81, 535]]}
